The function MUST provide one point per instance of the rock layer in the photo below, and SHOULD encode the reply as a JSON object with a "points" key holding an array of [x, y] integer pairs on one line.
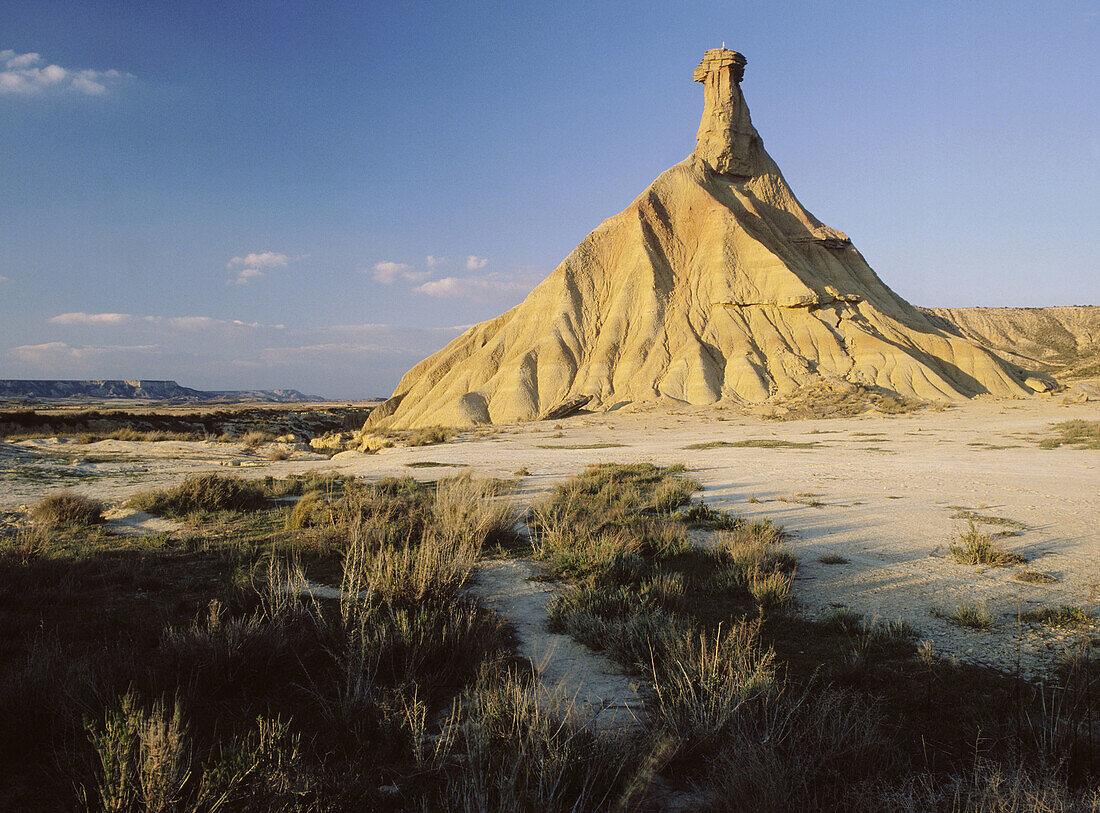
{"points": [[715, 283]]}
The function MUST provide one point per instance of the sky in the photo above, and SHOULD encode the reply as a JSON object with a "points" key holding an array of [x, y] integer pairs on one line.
{"points": [[301, 195]]}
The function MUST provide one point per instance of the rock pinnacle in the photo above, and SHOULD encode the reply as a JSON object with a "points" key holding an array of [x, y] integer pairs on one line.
{"points": [[726, 135]]}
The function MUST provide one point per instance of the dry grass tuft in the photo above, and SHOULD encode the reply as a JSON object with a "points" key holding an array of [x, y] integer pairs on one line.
{"points": [[974, 547], [967, 614], [1065, 615], [68, 508], [202, 493], [1077, 433]]}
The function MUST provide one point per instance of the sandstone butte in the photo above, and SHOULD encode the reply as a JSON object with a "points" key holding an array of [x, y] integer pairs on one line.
{"points": [[715, 284]]}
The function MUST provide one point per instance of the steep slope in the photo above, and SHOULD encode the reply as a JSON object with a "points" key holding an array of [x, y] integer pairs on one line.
{"points": [[715, 283]]}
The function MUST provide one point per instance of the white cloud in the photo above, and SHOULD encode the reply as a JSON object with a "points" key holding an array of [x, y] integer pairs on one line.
{"points": [[4, 279], [485, 287], [245, 275], [263, 259], [254, 262], [474, 263], [81, 318], [159, 323], [387, 271], [24, 74], [50, 353], [432, 261]]}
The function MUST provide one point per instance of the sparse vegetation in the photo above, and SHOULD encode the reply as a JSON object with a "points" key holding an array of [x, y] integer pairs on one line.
{"points": [[755, 443], [1065, 615], [428, 436], [522, 471], [974, 547], [68, 508], [203, 493], [1035, 577], [832, 559], [1077, 433], [601, 445], [204, 681], [967, 614], [987, 519]]}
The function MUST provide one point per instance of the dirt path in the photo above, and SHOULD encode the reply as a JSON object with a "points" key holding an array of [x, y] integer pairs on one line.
{"points": [[601, 693]]}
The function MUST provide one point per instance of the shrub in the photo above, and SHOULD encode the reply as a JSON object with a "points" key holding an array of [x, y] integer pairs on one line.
{"points": [[517, 746], [832, 559], [770, 590], [202, 493], [756, 547], [306, 512], [701, 682], [68, 508], [143, 757], [256, 438], [976, 548]]}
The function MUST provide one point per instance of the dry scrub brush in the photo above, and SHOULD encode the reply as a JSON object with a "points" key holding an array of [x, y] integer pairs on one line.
{"points": [[68, 508], [974, 547], [202, 493]]}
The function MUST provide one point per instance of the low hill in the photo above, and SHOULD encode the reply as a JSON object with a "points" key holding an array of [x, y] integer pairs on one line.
{"points": [[1062, 341]]}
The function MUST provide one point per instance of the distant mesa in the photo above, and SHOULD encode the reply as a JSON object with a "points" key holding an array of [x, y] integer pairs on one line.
{"points": [[135, 389], [715, 284]]}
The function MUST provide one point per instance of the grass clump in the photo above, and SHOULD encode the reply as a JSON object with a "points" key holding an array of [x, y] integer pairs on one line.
{"points": [[428, 436], [203, 493], [1079, 434], [1064, 616], [306, 512], [967, 614], [974, 547], [700, 515], [1035, 577], [833, 559], [68, 508]]}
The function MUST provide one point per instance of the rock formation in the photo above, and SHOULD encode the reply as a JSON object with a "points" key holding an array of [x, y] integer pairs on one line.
{"points": [[714, 284]]}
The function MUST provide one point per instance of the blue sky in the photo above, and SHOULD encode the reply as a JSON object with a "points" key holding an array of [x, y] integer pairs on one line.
{"points": [[316, 195]]}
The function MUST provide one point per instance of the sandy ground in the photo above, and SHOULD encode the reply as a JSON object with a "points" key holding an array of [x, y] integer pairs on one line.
{"points": [[888, 485]]}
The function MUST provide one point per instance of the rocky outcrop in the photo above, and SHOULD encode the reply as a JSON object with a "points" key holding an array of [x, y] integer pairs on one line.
{"points": [[714, 284]]}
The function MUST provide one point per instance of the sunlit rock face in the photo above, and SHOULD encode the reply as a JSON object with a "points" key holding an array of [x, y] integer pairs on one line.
{"points": [[715, 284]]}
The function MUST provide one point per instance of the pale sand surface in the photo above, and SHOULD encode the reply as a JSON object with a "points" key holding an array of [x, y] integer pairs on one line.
{"points": [[888, 495]]}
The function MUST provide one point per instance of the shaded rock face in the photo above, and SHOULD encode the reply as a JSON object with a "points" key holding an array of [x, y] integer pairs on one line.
{"points": [[715, 283]]}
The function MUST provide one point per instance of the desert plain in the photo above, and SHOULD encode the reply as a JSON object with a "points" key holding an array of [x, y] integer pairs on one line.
{"points": [[881, 496]]}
